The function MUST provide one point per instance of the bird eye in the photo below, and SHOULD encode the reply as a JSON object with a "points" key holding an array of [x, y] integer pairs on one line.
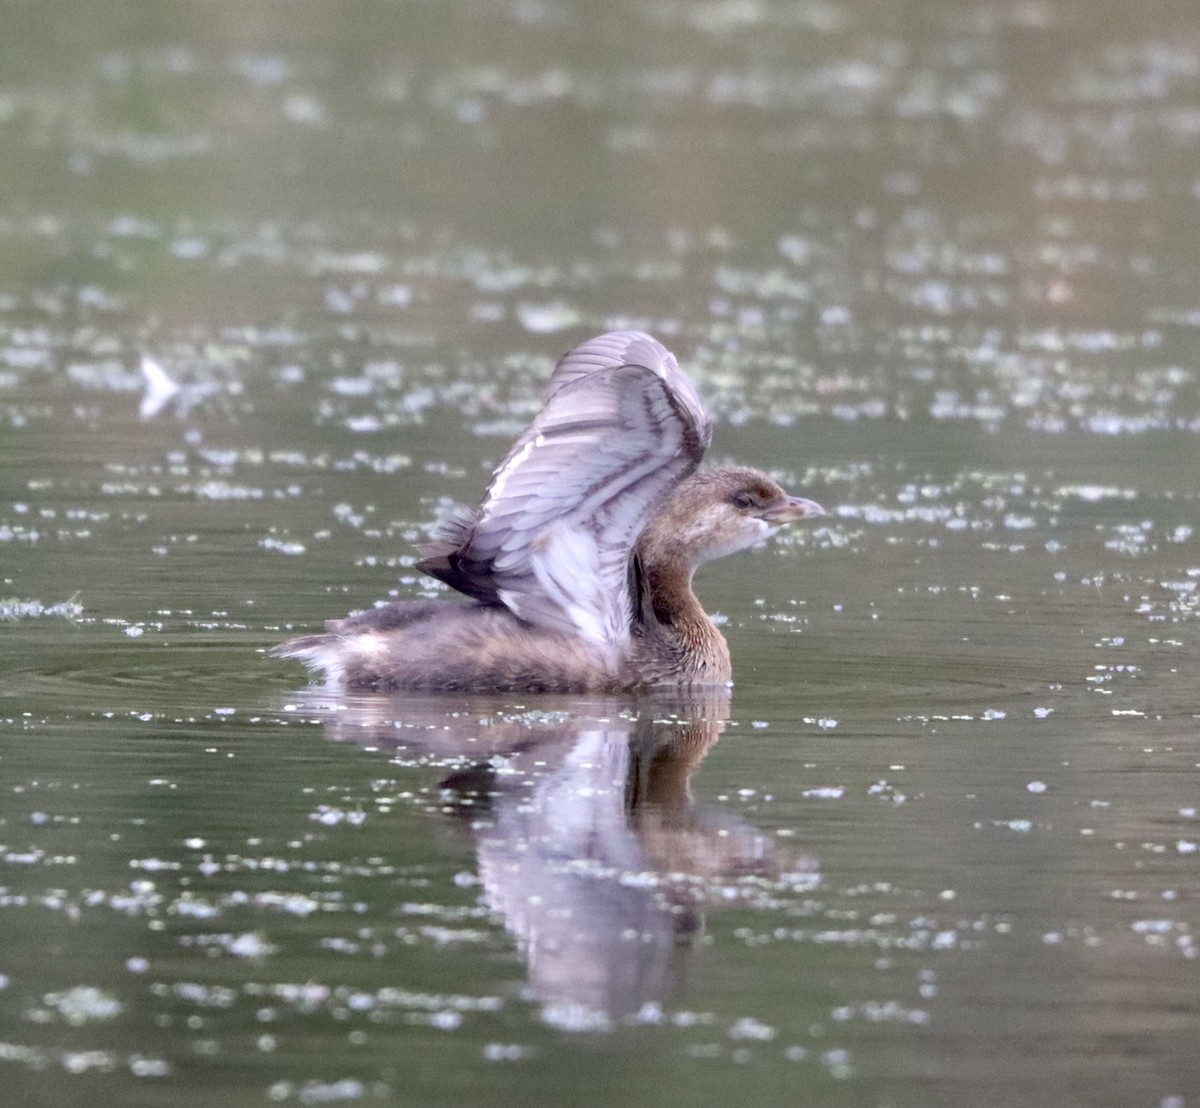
{"points": [[743, 500]]}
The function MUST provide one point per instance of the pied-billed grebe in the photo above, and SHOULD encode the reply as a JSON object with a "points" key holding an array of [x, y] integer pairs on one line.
{"points": [[580, 559]]}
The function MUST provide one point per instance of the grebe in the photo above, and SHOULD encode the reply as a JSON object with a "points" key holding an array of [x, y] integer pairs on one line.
{"points": [[579, 563]]}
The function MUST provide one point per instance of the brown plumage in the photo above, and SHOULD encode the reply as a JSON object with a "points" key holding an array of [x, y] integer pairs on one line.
{"points": [[580, 560]]}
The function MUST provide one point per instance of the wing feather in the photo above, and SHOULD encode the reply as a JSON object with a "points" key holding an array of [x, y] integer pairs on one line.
{"points": [[621, 425]]}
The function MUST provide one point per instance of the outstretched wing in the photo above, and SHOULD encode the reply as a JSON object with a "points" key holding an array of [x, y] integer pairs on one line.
{"points": [[621, 426]]}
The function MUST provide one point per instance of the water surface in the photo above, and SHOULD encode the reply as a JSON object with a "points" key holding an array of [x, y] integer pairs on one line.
{"points": [[932, 264]]}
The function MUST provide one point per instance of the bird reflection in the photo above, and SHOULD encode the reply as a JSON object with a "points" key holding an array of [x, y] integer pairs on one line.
{"points": [[589, 844]]}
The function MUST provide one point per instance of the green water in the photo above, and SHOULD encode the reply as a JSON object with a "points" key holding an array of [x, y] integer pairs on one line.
{"points": [[932, 264]]}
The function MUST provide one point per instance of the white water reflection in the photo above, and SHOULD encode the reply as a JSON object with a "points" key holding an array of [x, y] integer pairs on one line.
{"points": [[160, 388]]}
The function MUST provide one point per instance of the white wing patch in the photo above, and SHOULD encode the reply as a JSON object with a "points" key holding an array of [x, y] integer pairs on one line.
{"points": [[511, 465], [566, 563]]}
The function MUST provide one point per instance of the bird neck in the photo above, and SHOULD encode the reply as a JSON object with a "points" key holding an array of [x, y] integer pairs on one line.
{"points": [[672, 619], [668, 587]]}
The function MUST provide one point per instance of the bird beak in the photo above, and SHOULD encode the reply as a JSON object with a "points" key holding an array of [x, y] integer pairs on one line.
{"points": [[790, 509]]}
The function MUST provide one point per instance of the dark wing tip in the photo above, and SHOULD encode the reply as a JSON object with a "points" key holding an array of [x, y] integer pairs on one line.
{"points": [[440, 555]]}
